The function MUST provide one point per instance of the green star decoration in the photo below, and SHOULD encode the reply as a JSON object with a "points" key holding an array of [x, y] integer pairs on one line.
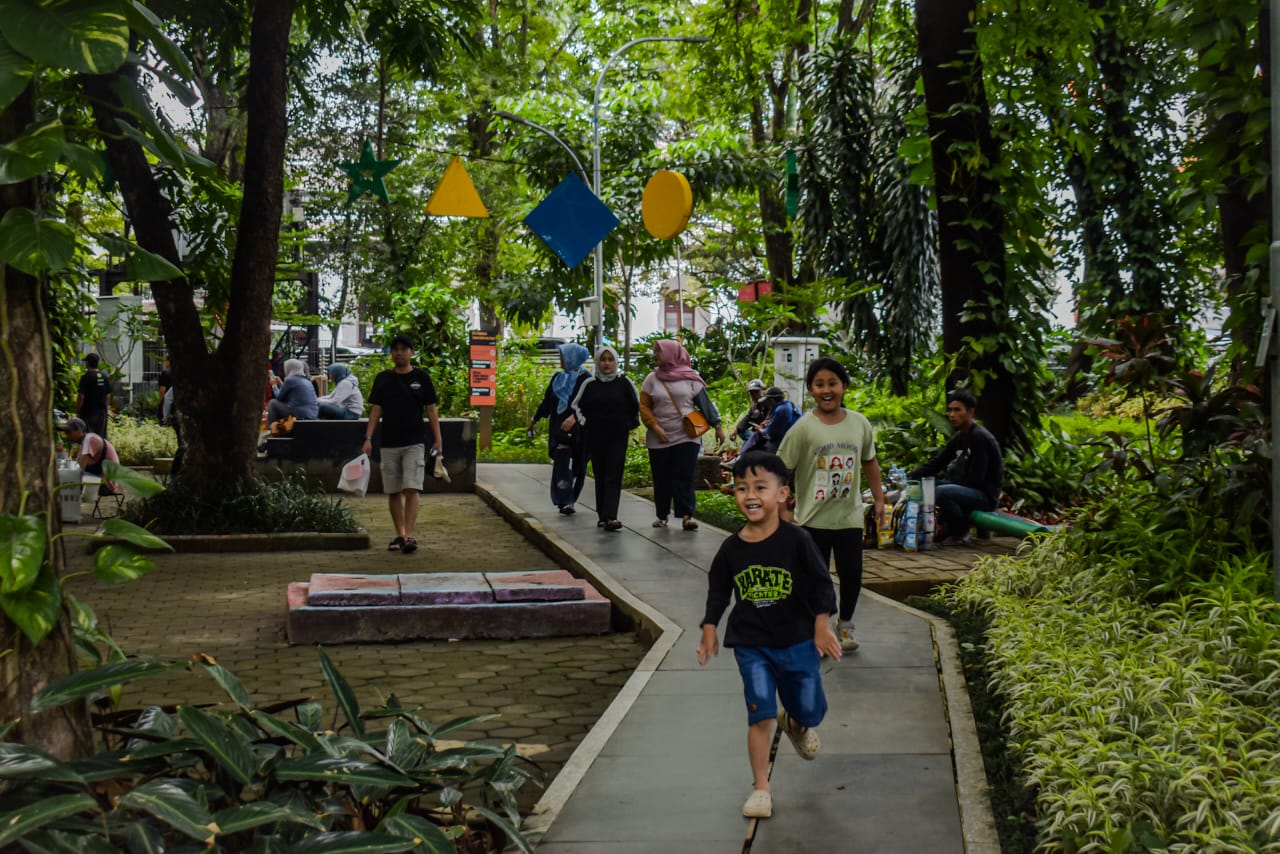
{"points": [[366, 174]]}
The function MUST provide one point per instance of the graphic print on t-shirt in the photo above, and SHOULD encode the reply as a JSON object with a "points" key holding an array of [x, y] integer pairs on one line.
{"points": [[835, 471], [763, 586]]}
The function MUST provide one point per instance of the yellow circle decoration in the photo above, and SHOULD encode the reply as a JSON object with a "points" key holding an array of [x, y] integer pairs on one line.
{"points": [[666, 204]]}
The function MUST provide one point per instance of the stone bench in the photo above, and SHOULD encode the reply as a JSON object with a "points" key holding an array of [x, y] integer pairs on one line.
{"points": [[320, 448], [358, 608]]}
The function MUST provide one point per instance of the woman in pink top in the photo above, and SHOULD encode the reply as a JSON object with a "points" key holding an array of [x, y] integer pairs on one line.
{"points": [[671, 391]]}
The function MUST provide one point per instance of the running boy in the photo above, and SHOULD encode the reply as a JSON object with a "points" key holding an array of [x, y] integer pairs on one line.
{"points": [[780, 625]]}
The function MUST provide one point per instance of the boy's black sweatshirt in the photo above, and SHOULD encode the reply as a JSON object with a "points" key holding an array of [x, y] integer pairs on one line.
{"points": [[779, 586]]}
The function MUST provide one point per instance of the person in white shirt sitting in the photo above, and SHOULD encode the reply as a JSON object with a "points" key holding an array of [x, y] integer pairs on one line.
{"points": [[345, 402]]}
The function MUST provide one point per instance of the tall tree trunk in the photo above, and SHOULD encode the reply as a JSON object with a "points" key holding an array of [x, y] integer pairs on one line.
{"points": [[970, 222], [219, 394], [26, 458]]}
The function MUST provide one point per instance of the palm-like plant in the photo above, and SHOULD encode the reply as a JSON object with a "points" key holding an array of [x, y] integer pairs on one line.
{"points": [[1137, 361]]}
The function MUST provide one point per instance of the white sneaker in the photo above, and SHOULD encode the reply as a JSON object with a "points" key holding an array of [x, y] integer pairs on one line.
{"points": [[844, 631]]}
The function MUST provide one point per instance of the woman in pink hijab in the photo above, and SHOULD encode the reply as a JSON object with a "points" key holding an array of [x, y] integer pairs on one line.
{"points": [[671, 391]]}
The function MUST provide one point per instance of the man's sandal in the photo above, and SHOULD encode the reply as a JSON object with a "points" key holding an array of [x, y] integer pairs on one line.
{"points": [[690, 524], [395, 545], [659, 523], [410, 545]]}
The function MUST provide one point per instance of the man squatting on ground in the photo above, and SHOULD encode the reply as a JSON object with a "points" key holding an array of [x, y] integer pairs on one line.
{"points": [[780, 625], [398, 398], [973, 466]]}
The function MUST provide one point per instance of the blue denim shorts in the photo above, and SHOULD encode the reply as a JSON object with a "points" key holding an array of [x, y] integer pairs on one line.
{"points": [[792, 673]]}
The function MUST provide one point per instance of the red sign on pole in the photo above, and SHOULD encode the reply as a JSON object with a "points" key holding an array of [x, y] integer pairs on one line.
{"points": [[484, 369]]}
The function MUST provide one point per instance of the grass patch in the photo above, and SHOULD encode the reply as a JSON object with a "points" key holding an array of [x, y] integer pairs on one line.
{"points": [[292, 505]]}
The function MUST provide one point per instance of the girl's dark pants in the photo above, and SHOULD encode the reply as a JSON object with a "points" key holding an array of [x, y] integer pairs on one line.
{"points": [[846, 544], [608, 459], [673, 469]]}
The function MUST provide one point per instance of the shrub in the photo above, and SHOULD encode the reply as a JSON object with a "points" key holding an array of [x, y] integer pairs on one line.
{"points": [[251, 779], [139, 442], [1134, 722], [264, 508]]}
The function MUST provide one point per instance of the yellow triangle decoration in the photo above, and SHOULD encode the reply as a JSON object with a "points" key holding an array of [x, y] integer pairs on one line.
{"points": [[455, 195]]}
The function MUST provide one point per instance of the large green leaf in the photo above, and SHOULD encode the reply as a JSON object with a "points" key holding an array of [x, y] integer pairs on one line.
{"points": [[15, 73], [37, 609], [342, 691], [19, 760], [286, 729], [23, 542], [117, 564], [130, 479], [513, 836], [341, 770], [352, 841], [35, 151], [81, 684], [14, 825], [230, 683], [89, 164], [144, 22], [427, 837], [169, 803], [140, 265], [88, 35], [146, 266], [228, 748], [134, 535], [247, 816], [34, 245]]}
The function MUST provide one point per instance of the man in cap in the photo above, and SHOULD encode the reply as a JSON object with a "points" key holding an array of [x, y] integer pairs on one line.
{"points": [[779, 414], [94, 449], [398, 398], [755, 413], [93, 396]]}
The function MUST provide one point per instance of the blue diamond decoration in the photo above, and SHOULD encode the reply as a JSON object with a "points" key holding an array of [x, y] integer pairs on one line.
{"points": [[571, 220]]}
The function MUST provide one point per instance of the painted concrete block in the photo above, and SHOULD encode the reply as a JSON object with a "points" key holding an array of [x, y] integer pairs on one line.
{"points": [[444, 588], [338, 589], [552, 585]]}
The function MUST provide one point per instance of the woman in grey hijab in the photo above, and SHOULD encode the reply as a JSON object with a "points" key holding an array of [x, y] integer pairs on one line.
{"points": [[344, 401]]}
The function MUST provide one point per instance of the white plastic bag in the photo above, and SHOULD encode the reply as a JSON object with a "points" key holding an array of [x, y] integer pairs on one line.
{"points": [[355, 476], [439, 470]]}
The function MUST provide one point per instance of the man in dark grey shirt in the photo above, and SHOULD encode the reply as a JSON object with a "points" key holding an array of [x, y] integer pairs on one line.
{"points": [[973, 466]]}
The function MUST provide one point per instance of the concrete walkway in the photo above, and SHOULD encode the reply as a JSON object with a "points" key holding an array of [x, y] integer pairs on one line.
{"points": [[665, 770]]}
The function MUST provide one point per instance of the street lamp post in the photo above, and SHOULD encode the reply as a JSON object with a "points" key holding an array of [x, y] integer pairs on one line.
{"points": [[595, 164], [521, 120]]}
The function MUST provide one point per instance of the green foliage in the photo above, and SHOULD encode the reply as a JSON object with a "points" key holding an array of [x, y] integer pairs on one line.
{"points": [[522, 381], [292, 504], [716, 508], [31, 593], [139, 441], [515, 446], [636, 473], [1131, 718], [251, 778]]}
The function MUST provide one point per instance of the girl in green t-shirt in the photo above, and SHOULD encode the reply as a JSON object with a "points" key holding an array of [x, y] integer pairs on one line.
{"points": [[828, 451]]}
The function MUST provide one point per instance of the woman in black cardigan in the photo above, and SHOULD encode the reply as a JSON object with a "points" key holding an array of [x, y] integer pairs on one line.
{"points": [[608, 402]]}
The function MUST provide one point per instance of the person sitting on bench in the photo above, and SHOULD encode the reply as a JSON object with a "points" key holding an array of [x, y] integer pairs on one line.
{"points": [[345, 402], [93, 450], [973, 465]]}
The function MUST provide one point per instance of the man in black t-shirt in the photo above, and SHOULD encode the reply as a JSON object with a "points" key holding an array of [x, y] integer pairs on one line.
{"points": [[398, 398], [973, 467], [93, 396]]}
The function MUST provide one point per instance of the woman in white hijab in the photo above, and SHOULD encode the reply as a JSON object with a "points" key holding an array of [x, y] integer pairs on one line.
{"points": [[609, 407]]}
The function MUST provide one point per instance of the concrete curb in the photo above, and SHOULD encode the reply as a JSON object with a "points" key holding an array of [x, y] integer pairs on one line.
{"points": [[234, 543], [977, 822], [649, 624]]}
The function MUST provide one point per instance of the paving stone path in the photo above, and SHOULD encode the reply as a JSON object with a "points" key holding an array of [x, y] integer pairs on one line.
{"points": [[547, 692]]}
